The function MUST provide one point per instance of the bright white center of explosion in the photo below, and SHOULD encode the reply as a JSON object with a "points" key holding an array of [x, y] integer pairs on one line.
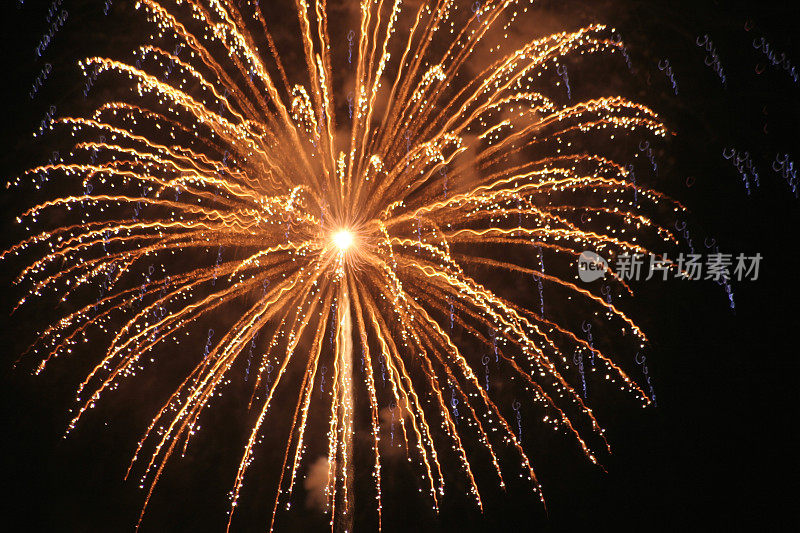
{"points": [[343, 239]]}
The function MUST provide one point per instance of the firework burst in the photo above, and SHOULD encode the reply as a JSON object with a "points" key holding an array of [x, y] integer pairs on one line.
{"points": [[354, 235]]}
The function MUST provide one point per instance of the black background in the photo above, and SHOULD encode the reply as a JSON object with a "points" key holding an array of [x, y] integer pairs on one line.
{"points": [[719, 450]]}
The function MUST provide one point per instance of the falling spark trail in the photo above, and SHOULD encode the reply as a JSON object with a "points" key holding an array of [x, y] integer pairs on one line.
{"points": [[344, 358]]}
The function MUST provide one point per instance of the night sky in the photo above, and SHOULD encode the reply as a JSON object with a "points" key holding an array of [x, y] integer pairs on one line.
{"points": [[719, 450]]}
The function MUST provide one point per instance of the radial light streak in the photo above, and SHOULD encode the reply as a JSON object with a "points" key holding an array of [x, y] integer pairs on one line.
{"points": [[352, 246]]}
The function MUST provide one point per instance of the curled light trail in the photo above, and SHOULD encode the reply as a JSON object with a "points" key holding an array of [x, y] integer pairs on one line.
{"points": [[223, 178]]}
